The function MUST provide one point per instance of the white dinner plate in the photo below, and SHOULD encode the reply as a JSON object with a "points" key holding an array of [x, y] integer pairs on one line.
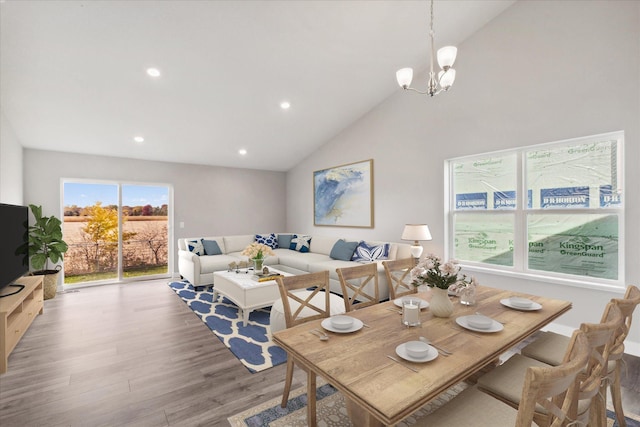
{"points": [[357, 325], [423, 304], [534, 305], [402, 352], [495, 326]]}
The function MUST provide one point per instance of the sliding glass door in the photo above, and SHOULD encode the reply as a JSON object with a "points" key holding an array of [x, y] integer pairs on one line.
{"points": [[115, 231]]}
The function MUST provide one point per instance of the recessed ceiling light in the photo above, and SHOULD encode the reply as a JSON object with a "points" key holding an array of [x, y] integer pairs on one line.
{"points": [[138, 139], [153, 72], [285, 105], [242, 151]]}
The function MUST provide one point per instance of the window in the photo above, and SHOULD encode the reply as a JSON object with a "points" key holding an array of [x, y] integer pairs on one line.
{"points": [[554, 210], [115, 231]]}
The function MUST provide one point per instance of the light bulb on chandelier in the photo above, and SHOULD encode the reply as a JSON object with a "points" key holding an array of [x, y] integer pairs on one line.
{"points": [[446, 57]]}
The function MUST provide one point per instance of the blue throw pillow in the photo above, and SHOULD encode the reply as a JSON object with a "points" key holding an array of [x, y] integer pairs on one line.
{"points": [[211, 247], [300, 243], [369, 253], [284, 240], [267, 239], [195, 246], [343, 250]]}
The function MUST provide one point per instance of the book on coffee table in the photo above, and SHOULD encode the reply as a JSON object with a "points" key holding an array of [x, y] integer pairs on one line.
{"points": [[261, 277]]}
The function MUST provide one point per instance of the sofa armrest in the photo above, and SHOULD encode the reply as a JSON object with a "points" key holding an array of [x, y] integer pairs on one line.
{"points": [[189, 266]]}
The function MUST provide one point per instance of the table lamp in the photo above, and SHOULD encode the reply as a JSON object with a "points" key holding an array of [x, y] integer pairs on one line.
{"points": [[416, 232]]}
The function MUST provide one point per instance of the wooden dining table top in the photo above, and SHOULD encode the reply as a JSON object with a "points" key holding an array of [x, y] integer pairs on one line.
{"points": [[356, 363]]}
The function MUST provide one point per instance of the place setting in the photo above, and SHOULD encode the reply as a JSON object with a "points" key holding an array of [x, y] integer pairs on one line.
{"points": [[479, 323], [416, 352], [342, 324], [520, 303]]}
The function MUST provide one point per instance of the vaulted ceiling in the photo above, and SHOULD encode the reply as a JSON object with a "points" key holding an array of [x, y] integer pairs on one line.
{"points": [[73, 73]]}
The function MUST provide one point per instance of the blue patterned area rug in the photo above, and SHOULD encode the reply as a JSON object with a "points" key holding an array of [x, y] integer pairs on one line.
{"points": [[251, 344], [331, 410]]}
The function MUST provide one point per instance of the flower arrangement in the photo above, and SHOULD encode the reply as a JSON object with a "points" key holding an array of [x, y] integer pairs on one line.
{"points": [[434, 273], [257, 251]]}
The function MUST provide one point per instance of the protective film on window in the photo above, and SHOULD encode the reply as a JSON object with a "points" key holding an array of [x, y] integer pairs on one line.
{"points": [[579, 244], [488, 183], [484, 238], [583, 175]]}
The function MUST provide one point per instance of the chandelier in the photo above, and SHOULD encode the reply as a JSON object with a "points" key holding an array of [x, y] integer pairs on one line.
{"points": [[446, 76]]}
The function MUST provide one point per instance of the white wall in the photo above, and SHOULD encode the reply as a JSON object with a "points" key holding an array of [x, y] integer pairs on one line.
{"points": [[209, 200], [542, 71], [10, 164]]}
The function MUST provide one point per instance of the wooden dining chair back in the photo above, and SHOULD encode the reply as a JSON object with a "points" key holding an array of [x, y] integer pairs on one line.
{"points": [[554, 387], [601, 336], [398, 273], [550, 387], [627, 305], [301, 307], [505, 381], [304, 298], [359, 286]]}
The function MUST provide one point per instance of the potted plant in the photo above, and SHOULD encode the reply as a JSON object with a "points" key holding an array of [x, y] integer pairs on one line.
{"points": [[45, 246]]}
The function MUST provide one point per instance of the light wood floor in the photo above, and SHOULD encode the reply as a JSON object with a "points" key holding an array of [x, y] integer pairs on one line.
{"points": [[135, 355]]}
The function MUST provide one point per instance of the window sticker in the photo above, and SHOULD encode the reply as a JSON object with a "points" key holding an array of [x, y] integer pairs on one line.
{"points": [[568, 197]]}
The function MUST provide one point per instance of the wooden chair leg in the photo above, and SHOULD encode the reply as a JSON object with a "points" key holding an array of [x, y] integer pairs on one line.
{"points": [[311, 399], [616, 397], [287, 382]]}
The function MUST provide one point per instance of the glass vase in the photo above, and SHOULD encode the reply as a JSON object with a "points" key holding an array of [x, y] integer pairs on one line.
{"points": [[257, 264]]}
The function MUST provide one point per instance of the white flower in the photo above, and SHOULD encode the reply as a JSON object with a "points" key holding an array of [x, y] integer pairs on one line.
{"points": [[449, 268]]}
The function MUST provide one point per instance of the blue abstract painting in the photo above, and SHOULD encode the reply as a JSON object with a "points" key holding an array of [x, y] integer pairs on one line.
{"points": [[343, 195]]}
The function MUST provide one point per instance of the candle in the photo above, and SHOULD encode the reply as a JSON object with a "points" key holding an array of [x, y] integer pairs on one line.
{"points": [[411, 312]]}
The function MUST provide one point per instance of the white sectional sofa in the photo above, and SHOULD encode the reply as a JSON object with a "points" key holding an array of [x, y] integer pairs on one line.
{"points": [[198, 269]]}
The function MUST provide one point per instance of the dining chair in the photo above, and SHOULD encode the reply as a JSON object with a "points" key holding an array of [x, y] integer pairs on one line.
{"points": [[549, 347], [304, 298], [505, 381], [551, 387], [358, 284], [398, 274]]}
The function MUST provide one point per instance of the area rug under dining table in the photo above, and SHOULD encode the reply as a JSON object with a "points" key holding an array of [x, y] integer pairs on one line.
{"points": [[331, 410], [251, 344]]}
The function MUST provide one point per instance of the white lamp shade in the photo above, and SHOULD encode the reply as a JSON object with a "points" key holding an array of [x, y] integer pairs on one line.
{"points": [[446, 78], [416, 232], [447, 56], [404, 76]]}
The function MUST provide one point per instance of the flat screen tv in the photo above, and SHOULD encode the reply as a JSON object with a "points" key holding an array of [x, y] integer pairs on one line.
{"points": [[14, 227]]}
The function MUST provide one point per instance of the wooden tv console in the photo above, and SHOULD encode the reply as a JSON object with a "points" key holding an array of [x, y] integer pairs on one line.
{"points": [[17, 313]]}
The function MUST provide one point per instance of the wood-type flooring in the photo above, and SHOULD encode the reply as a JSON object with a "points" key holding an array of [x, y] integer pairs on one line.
{"points": [[134, 355]]}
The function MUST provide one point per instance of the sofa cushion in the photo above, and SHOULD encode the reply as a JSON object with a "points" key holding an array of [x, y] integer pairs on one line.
{"points": [[267, 239], [300, 243], [195, 246], [209, 264], [284, 240], [301, 261], [211, 247], [238, 243], [343, 250], [366, 252], [323, 244]]}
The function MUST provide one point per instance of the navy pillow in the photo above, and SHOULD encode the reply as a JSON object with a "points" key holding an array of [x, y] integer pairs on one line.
{"points": [[300, 243], [195, 246], [370, 253], [267, 239], [284, 240], [343, 250], [211, 247]]}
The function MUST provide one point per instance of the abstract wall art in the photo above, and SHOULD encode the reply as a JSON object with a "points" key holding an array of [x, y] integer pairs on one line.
{"points": [[343, 195]]}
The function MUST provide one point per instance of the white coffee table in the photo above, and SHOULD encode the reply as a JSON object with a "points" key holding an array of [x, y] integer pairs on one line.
{"points": [[246, 293]]}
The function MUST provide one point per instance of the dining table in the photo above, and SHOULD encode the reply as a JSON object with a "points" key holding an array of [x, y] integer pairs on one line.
{"points": [[381, 387]]}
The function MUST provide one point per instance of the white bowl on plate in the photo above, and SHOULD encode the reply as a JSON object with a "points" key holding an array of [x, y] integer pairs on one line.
{"points": [[341, 322], [480, 322], [520, 302], [417, 349]]}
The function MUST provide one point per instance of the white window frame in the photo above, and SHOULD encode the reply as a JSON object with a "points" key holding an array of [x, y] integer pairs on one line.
{"points": [[519, 268]]}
